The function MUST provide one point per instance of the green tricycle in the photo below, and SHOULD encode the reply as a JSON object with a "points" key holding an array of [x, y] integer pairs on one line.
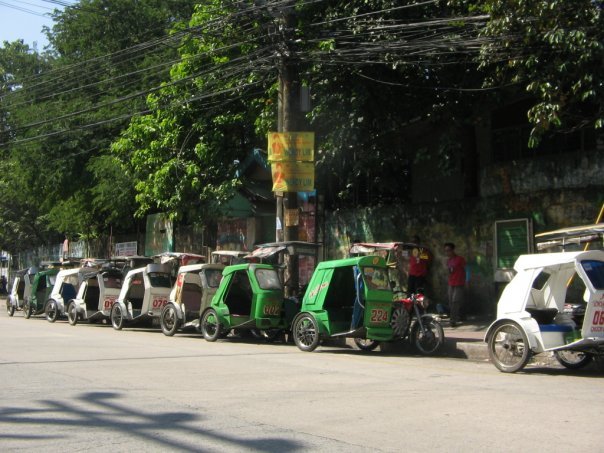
{"points": [[249, 298], [348, 298], [41, 287]]}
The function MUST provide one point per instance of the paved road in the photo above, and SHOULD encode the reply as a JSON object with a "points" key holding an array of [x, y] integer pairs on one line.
{"points": [[92, 388]]}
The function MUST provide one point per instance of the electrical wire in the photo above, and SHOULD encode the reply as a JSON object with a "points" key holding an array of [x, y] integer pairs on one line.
{"points": [[426, 39]]}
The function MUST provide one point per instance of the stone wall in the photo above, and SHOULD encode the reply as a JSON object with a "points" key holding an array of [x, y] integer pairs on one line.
{"points": [[468, 223]]}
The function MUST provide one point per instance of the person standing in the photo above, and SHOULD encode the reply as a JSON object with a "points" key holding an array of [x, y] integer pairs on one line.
{"points": [[419, 262], [456, 283]]}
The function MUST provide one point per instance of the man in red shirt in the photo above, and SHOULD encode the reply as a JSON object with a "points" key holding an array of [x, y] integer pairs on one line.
{"points": [[419, 261], [457, 281]]}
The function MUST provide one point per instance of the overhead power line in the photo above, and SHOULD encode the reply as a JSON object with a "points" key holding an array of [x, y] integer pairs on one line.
{"points": [[373, 41]]}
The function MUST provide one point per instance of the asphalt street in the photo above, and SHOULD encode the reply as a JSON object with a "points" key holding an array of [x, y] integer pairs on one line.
{"points": [[89, 387]]}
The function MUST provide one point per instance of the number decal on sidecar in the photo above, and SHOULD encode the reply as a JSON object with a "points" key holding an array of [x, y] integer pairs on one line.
{"points": [[379, 316]]}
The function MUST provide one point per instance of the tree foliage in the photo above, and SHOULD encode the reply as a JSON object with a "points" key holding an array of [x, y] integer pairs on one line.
{"points": [[56, 107], [139, 107], [182, 155], [553, 48]]}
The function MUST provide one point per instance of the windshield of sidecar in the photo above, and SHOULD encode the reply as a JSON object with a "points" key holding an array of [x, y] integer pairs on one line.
{"points": [[159, 280], [376, 278], [268, 279], [213, 277], [112, 281], [595, 272]]}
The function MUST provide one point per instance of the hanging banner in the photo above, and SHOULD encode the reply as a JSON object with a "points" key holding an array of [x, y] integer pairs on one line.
{"points": [[291, 146], [293, 176]]}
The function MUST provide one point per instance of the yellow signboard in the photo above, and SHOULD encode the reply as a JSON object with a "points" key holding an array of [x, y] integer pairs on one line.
{"points": [[293, 176], [291, 146]]}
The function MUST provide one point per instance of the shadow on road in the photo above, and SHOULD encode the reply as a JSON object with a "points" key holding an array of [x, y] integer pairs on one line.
{"points": [[102, 411]]}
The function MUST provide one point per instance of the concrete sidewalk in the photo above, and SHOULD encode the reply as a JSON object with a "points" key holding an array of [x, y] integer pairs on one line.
{"points": [[466, 341]]}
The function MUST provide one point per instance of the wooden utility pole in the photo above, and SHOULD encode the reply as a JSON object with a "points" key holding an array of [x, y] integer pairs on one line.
{"points": [[289, 120]]}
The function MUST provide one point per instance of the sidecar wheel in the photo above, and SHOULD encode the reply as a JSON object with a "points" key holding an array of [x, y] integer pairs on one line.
{"points": [[210, 326], [306, 333], [573, 360], [509, 348], [27, 309], [52, 311], [72, 313], [431, 339], [169, 321], [117, 317], [10, 308], [365, 344]]}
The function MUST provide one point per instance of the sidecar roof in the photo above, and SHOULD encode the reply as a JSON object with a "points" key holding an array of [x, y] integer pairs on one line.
{"points": [[526, 262]]}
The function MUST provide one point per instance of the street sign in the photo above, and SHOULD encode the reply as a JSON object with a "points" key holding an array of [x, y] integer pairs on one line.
{"points": [[293, 176], [291, 146]]}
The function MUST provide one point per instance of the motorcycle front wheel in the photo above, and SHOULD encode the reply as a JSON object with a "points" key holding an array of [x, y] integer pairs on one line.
{"points": [[429, 339]]}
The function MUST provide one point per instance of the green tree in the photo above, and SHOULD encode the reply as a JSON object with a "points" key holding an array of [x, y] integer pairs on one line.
{"points": [[20, 210], [62, 109], [375, 67], [555, 50], [182, 155]]}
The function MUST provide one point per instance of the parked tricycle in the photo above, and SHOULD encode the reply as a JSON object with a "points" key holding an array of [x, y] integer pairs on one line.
{"points": [[41, 287], [346, 298], [531, 315], [177, 259], [126, 263], [144, 294], [20, 290], [250, 296], [64, 290], [97, 293], [410, 319], [192, 293], [229, 257], [295, 261]]}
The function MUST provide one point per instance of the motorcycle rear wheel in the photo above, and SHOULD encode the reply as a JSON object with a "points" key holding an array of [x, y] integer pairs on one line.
{"points": [[169, 321], [365, 344], [27, 310], [52, 311], [72, 313], [573, 360], [10, 308]]}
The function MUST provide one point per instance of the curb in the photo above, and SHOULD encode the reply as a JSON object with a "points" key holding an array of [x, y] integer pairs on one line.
{"points": [[462, 349]]}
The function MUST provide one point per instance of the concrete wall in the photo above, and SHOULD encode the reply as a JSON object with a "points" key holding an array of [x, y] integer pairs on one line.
{"points": [[468, 223], [565, 171]]}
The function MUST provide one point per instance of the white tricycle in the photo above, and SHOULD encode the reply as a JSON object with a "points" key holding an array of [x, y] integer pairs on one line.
{"points": [[98, 291], [531, 317], [144, 294], [20, 291]]}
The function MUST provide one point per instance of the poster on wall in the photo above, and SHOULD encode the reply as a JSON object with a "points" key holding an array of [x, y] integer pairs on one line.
{"points": [[159, 236], [512, 239], [126, 248]]}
